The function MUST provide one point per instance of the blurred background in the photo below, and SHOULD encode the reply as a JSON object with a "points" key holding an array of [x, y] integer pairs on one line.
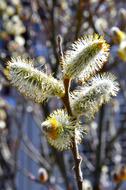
{"points": [[29, 28]]}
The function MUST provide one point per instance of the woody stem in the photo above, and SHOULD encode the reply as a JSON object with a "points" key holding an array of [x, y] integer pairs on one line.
{"points": [[74, 146]]}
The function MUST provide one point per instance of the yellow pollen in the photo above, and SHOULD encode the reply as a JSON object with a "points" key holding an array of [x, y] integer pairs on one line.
{"points": [[100, 45], [53, 132]]}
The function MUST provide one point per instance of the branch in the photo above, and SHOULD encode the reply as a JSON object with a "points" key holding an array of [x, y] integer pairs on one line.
{"points": [[99, 149], [114, 138], [79, 18], [118, 186], [53, 37], [33, 150], [74, 147], [91, 20]]}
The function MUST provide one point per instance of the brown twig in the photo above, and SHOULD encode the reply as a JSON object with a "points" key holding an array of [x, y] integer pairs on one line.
{"points": [[91, 19], [53, 37], [74, 147], [79, 17], [60, 51], [59, 42]]}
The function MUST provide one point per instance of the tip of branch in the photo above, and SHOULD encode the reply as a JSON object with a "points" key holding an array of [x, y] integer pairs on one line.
{"points": [[59, 39]]}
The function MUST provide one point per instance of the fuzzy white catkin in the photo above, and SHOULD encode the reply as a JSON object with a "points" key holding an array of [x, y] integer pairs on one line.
{"points": [[29, 81], [88, 99], [60, 129], [86, 56]]}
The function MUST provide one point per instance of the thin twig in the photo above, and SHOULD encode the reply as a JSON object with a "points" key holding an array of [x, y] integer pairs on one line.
{"points": [[98, 5], [60, 52], [31, 147], [118, 186], [74, 147], [79, 17], [28, 174], [91, 19], [114, 138], [53, 37], [99, 150], [59, 40]]}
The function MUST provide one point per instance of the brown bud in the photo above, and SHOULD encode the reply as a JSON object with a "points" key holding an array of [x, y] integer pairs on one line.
{"points": [[43, 175], [123, 173], [117, 178]]}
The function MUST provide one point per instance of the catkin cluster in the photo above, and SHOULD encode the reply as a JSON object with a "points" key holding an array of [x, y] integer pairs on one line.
{"points": [[81, 62]]}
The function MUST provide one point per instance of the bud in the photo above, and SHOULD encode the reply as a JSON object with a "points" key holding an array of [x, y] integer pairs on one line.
{"points": [[43, 175], [122, 50], [123, 173], [88, 99], [116, 178], [31, 82], [85, 57], [117, 35], [122, 14], [59, 129], [86, 185], [120, 174], [3, 5], [10, 10], [18, 26]]}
